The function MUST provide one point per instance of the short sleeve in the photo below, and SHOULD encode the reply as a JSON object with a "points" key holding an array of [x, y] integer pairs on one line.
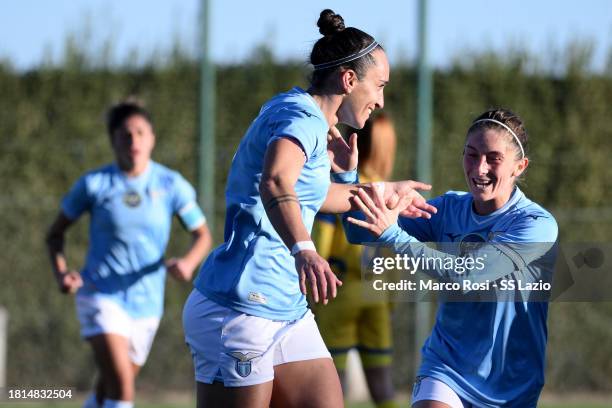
{"points": [[532, 227], [298, 125], [184, 204], [77, 200]]}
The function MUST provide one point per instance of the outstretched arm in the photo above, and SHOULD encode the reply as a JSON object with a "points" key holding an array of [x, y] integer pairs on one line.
{"points": [[503, 256], [340, 197], [343, 158]]}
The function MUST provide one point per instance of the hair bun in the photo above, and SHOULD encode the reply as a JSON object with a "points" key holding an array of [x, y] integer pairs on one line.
{"points": [[330, 22]]}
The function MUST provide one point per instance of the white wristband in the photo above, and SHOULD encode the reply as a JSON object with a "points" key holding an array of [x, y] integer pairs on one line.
{"points": [[301, 246]]}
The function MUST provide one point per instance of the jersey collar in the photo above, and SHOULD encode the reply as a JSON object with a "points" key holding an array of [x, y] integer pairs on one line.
{"points": [[515, 197]]}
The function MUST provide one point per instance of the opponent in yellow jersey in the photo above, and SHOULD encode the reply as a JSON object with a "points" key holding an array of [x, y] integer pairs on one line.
{"points": [[352, 321]]}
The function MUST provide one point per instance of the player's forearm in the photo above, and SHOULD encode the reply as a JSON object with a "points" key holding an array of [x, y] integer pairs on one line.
{"points": [[55, 248], [55, 244], [59, 265], [283, 209], [200, 246], [338, 199]]}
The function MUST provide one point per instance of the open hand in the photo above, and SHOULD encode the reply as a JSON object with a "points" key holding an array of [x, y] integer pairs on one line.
{"points": [[418, 206], [342, 156], [313, 270], [379, 216]]}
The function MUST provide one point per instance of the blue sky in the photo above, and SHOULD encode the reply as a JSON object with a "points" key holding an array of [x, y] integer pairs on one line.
{"points": [[30, 29]]}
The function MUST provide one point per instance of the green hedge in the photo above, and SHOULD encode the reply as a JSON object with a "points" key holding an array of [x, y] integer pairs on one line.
{"points": [[52, 130]]}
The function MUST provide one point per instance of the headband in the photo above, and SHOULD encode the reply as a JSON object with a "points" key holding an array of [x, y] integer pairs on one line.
{"points": [[507, 128], [346, 59]]}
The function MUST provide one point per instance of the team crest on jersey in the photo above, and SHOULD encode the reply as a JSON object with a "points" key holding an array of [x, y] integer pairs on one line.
{"points": [[470, 242], [243, 362], [132, 199], [472, 237]]}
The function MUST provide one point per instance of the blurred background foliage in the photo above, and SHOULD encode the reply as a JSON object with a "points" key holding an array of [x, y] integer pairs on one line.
{"points": [[52, 130]]}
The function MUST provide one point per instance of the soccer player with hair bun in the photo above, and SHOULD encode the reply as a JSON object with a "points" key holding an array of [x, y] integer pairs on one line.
{"points": [[253, 340]]}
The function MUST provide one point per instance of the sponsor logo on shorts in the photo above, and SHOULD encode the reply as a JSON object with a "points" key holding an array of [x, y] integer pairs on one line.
{"points": [[243, 362], [257, 297]]}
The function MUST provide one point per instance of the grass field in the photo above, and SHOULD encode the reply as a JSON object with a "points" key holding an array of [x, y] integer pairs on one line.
{"points": [[184, 405], [156, 399]]}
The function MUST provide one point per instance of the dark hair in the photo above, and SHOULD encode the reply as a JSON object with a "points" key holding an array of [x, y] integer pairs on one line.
{"points": [[338, 42], [117, 114], [509, 119], [376, 143]]}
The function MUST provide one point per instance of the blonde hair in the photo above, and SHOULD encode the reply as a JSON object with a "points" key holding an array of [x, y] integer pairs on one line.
{"points": [[377, 144]]}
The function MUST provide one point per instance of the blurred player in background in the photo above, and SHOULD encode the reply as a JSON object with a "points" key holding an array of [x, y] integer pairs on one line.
{"points": [[486, 353], [120, 290], [253, 339], [351, 321]]}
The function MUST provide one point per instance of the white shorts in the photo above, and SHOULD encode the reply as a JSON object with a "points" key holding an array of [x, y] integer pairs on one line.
{"points": [[428, 388], [98, 316], [239, 349]]}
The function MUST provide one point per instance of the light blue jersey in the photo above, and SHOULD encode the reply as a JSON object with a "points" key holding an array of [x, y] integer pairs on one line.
{"points": [[129, 231], [253, 271], [492, 354]]}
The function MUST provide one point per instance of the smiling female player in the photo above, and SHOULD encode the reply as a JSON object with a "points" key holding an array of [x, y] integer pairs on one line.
{"points": [[488, 353], [253, 340]]}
